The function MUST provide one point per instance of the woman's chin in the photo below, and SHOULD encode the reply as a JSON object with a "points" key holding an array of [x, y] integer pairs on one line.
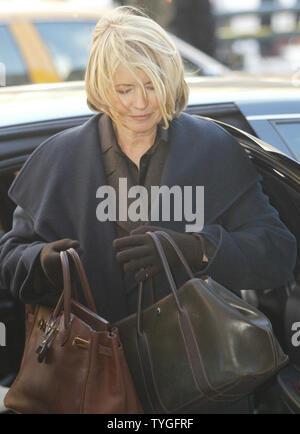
{"points": [[142, 126]]}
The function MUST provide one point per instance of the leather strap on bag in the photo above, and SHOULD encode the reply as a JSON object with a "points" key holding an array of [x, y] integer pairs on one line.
{"points": [[83, 279], [155, 239], [186, 327], [65, 298], [177, 250]]}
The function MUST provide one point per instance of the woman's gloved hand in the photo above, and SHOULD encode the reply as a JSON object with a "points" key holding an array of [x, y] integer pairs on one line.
{"points": [[50, 259], [138, 253]]}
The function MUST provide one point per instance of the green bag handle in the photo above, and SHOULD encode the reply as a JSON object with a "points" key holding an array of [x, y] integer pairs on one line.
{"points": [[160, 250]]}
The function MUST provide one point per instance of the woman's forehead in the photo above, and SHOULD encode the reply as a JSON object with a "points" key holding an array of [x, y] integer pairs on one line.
{"points": [[123, 76]]}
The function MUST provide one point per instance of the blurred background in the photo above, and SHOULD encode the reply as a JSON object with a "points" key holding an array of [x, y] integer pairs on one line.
{"points": [[257, 36], [49, 41]]}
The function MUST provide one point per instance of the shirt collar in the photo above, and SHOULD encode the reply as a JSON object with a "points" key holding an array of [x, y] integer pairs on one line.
{"points": [[108, 137], [106, 133]]}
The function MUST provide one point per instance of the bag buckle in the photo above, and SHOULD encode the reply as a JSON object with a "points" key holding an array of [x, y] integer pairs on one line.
{"points": [[51, 331]]}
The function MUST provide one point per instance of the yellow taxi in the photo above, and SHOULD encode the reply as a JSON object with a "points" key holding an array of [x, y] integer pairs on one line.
{"points": [[44, 42]]}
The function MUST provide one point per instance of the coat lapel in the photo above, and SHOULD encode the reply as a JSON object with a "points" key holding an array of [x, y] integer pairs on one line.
{"points": [[179, 172], [203, 156]]}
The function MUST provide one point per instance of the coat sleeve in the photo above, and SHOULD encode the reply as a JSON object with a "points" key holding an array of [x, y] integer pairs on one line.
{"points": [[254, 249], [19, 253]]}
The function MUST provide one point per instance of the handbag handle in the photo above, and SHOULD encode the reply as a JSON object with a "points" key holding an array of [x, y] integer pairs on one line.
{"points": [[65, 298], [178, 252], [167, 270], [83, 280]]}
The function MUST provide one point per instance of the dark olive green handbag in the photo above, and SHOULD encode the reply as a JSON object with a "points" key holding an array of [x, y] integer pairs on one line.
{"points": [[201, 346]]}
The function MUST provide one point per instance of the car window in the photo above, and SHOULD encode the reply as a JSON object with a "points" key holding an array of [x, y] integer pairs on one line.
{"points": [[290, 132], [69, 44], [15, 69]]}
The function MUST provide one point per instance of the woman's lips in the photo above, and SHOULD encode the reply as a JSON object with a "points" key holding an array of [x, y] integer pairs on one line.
{"points": [[141, 117]]}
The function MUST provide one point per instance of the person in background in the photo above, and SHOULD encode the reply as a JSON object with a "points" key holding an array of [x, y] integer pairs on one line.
{"points": [[193, 21], [162, 11]]}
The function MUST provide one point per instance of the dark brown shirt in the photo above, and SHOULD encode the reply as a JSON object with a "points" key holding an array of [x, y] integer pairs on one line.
{"points": [[118, 165]]}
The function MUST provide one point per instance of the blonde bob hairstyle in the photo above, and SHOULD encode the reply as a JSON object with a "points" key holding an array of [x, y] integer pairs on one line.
{"points": [[126, 36]]}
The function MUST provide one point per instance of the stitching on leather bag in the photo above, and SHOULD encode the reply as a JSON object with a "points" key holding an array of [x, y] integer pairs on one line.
{"points": [[153, 376], [201, 362], [231, 397], [202, 400], [105, 350], [142, 370], [249, 375], [83, 395], [212, 399], [154, 382], [198, 351], [189, 356], [120, 369], [249, 378], [212, 389]]}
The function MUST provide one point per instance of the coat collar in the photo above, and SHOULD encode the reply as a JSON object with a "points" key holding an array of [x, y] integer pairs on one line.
{"points": [[200, 154], [107, 134]]}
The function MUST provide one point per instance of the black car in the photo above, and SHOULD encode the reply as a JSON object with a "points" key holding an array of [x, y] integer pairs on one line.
{"points": [[253, 112]]}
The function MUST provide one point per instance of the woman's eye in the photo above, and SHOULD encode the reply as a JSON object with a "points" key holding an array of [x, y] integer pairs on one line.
{"points": [[123, 91]]}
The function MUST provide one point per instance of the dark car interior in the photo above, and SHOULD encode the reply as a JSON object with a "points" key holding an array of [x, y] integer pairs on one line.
{"points": [[282, 393]]}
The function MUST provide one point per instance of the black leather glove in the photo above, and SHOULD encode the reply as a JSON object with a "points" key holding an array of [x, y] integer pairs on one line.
{"points": [[138, 252], [50, 260]]}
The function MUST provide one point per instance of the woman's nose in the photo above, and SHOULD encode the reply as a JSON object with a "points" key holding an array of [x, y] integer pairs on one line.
{"points": [[141, 100]]}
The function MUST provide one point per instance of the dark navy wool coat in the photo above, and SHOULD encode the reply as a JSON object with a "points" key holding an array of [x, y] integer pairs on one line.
{"points": [[55, 194]]}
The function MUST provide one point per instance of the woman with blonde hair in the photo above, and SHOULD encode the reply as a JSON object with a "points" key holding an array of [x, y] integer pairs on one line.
{"points": [[138, 139]]}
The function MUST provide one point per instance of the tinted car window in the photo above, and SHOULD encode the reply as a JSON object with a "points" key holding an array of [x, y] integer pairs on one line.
{"points": [[15, 68], [290, 131], [69, 44]]}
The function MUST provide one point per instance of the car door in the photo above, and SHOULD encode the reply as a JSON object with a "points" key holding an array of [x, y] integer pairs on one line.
{"points": [[281, 182], [277, 123], [289, 131]]}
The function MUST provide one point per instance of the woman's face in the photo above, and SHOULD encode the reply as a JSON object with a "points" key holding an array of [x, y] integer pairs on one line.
{"points": [[137, 112]]}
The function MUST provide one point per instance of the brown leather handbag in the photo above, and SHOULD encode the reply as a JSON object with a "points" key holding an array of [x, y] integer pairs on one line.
{"points": [[73, 360], [201, 347]]}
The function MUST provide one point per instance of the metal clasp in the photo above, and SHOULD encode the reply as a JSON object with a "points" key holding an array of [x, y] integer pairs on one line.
{"points": [[50, 333], [81, 343]]}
